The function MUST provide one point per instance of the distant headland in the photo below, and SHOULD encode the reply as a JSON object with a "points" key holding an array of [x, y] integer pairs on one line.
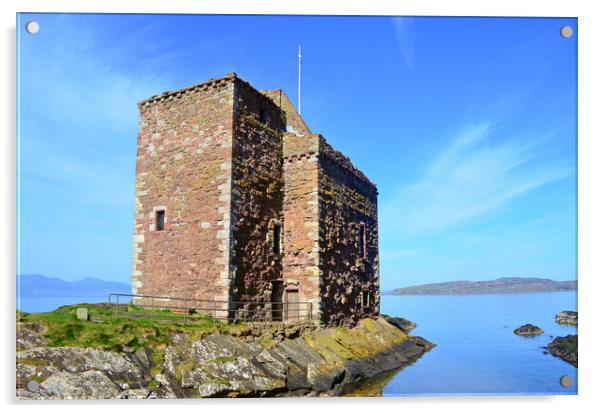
{"points": [[508, 285], [37, 285]]}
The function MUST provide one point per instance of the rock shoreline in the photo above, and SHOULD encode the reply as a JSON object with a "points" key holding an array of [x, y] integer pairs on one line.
{"points": [[315, 363], [565, 348]]}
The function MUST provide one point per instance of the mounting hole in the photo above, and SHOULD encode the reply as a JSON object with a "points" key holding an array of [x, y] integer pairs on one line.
{"points": [[32, 27], [566, 31], [33, 386], [566, 381]]}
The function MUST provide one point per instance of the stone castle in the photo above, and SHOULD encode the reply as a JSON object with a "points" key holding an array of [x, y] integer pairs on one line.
{"points": [[238, 202]]}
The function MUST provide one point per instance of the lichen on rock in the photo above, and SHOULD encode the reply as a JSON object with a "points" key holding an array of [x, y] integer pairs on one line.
{"points": [[317, 361], [567, 318]]}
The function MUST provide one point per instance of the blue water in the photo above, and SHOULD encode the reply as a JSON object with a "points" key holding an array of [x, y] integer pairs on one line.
{"points": [[477, 351], [43, 304]]}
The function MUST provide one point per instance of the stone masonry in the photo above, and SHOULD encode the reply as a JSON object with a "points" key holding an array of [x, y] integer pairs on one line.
{"points": [[240, 204]]}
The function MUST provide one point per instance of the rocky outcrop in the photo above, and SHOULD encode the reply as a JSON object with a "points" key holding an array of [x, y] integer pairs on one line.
{"points": [[29, 336], [528, 330], [404, 325], [567, 318], [565, 348], [317, 362]]}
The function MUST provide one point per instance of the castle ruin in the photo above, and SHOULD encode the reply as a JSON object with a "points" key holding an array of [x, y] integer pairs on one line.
{"points": [[238, 202]]}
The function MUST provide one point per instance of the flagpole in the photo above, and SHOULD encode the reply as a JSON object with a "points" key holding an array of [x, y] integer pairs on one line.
{"points": [[299, 84]]}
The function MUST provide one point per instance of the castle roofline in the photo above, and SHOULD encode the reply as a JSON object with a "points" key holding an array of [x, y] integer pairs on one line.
{"points": [[171, 94], [343, 160], [295, 122]]}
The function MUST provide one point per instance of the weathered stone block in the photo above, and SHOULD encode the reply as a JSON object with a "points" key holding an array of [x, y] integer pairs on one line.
{"points": [[82, 314]]}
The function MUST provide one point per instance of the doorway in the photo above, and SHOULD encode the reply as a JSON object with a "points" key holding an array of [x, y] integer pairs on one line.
{"points": [[276, 300], [292, 305]]}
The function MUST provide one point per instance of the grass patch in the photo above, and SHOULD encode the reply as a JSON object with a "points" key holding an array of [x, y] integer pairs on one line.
{"points": [[21, 315], [33, 362], [182, 367], [154, 384], [132, 327], [222, 359]]}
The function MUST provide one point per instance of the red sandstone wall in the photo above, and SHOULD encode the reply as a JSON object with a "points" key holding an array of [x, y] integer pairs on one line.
{"points": [[216, 158], [184, 165], [257, 193], [350, 281], [301, 227]]}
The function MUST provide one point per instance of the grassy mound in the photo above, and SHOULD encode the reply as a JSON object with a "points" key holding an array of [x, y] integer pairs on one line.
{"points": [[132, 326]]}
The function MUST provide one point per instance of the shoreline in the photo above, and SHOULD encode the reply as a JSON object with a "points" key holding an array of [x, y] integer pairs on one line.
{"points": [[312, 362]]}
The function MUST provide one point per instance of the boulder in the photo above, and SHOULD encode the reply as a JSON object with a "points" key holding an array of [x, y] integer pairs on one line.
{"points": [[117, 366], [231, 377], [528, 330], [28, 370], [134, 394], [30, 336], [323, 377], [82, 314], [91, 384], [567, 318]]}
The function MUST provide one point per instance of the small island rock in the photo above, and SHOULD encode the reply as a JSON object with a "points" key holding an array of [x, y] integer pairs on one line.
{"points": [[565, 348], [528, 330], [568, 318]]}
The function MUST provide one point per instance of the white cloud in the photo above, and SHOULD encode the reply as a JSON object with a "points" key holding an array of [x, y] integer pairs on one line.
{"points": [[473, 177], [404, 34]]}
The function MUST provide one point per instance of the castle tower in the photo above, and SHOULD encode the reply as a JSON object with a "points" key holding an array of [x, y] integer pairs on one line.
{"points": [[237, 202]]}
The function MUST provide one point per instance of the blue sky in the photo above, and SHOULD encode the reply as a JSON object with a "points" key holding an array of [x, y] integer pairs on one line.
{"points": [[467, 125]]}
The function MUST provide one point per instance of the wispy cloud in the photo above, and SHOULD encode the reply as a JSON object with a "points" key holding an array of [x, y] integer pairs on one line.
{"points": [[404, 34], [476, 175], [76, 77], [79, 110]]}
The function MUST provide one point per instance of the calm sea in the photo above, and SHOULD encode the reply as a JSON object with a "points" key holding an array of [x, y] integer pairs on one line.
{"points": [[477, 351], [43, 304]]}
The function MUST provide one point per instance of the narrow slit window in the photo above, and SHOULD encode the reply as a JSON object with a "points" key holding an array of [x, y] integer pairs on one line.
{"points": [[160, 220], [362, 241], [262, 116], [276, 239], [365, 299]]}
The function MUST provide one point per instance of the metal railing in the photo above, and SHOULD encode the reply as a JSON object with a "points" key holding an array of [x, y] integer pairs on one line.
{"points": [[188, 309]]}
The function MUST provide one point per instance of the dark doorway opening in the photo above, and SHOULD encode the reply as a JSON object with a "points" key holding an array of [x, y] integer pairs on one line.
{"points": [[292, 305], [276, 299]]}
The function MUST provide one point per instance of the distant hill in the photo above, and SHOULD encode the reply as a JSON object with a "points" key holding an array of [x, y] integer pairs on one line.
{"points": [[35, 285], [510, 285]]}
